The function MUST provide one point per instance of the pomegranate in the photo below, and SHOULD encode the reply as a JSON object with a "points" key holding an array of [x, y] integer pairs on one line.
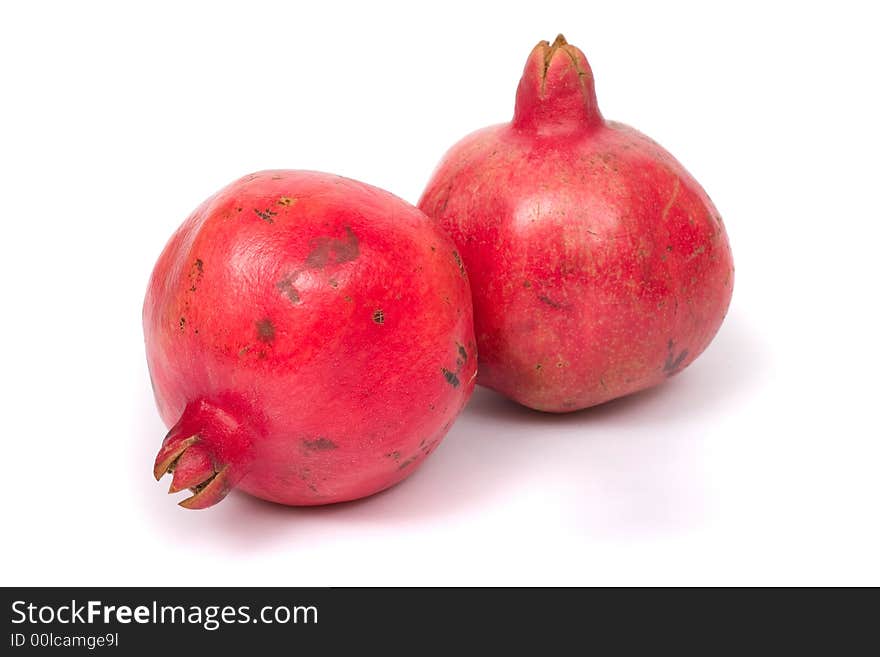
{"points": [[599, 266], [309, 340]]}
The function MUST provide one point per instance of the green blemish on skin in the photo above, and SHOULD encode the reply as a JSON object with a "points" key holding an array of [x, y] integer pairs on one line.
{"points": [[266, 215], [287, 289], [673, 363], [265, 330], [333, 250], [319, 444], [543, 298], [451, 377]]}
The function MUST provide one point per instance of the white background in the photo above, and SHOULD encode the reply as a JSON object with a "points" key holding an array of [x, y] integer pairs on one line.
{"points": [[758, 465]]}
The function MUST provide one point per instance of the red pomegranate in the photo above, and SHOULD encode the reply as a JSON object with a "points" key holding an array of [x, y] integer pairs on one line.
{"points": [[309, 340], [599, 266]]}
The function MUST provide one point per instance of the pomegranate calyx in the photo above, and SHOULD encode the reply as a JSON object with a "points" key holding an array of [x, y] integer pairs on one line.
{"points": [[207, 451], [556, 94], [550, 50], [210, 491], [194, 466], [170, 452]]}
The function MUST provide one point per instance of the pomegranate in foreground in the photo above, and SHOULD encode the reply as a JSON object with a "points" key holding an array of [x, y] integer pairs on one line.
{"points": [[599, 266], [309, 340]]}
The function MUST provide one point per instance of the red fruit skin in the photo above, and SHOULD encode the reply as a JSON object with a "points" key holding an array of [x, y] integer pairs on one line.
{"points": [[599, 266], [309, 339]]}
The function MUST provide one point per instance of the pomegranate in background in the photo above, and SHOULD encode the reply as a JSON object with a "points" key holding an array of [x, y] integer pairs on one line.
{"points": [[598, 265]]}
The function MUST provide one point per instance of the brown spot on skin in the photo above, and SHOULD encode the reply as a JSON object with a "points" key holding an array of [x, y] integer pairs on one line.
{"points": [[393, 455], [462, 351], [406, 463], [287, 289], [195, 274], [451, 377], [182, 323], [319, 444], [527, 284], [426, 447], [266, 215], [379, 316], [698, 251], [286, 201], [332, 250], [459, 262], [265, 330], [347, 298]]}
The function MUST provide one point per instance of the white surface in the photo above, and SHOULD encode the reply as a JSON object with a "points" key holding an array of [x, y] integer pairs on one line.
{"points": [[757, 465]]}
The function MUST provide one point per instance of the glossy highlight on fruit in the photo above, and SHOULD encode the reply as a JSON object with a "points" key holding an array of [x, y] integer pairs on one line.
{"points": [[309, 340], [599, 266]]}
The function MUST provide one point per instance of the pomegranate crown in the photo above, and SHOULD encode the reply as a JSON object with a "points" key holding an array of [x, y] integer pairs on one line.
{"points": [[556, 93], [207, 452]]}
